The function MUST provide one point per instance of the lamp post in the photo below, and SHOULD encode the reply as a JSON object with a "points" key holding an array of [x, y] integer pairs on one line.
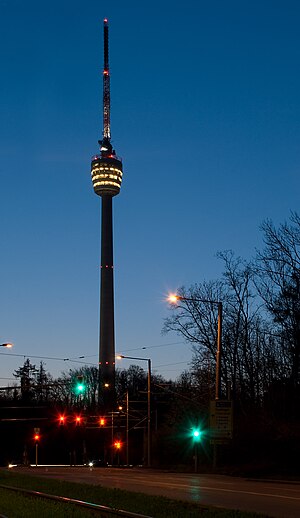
{"points": [[174, 298], [121, 356]]}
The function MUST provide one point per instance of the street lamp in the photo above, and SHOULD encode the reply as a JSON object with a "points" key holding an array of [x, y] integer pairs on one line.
{"points": [[8, 346], [120, 357], [173, 298]]}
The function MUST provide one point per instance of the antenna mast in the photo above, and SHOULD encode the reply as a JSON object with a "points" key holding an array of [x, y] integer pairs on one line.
{"points": [[105, 143]]}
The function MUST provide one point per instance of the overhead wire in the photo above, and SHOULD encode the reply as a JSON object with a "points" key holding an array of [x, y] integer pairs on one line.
{"points": [[153, 346], [77, 359]]}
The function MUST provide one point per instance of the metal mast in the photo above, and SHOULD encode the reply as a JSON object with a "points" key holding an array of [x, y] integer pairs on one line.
{"points": [[106, 87], [106, 171]]}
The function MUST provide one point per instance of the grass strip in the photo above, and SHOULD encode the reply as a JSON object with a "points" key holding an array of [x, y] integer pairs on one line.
{"points": [[156, 506], [17, 505]]}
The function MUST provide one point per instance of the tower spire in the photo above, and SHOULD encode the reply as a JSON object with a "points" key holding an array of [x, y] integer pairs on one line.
{"points": [[105, 145]]}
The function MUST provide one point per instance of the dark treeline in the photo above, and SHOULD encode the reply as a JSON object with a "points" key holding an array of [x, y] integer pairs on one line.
{"points": [[261, 318], [37, 400], [260, 341], [259, 368]]}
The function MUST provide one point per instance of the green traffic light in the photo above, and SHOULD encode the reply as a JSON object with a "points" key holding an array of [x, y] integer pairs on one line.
{"points": [[80, 385], [196, 434]]}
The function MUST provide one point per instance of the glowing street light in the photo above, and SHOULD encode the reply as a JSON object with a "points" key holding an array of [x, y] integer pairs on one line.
{"points": [[174, 298]]}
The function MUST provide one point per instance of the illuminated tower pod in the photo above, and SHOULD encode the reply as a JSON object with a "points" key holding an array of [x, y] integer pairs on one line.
{"points": [[106, 171]]}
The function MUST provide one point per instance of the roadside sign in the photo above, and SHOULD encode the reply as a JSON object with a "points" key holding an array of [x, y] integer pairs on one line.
{"points": [[220, 418]]}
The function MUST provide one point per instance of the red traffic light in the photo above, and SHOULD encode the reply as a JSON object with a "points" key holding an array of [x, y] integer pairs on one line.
{"points": [[62, 419], [118, 445], [78, 419], [102, 421], [37, 437]]}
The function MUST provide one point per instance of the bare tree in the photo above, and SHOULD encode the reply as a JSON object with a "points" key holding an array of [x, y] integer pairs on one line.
{"points": [[247, 354], [277, 270], [196, 321]]}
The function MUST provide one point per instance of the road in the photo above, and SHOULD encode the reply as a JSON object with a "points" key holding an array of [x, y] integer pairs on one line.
{"points": [[273, 498]]}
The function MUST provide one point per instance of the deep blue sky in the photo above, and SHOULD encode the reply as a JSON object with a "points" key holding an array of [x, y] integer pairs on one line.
{"points": [[206, 115]]}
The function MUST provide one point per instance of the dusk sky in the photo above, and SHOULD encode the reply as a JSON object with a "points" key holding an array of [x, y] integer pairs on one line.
{"points": [[206, 116]]}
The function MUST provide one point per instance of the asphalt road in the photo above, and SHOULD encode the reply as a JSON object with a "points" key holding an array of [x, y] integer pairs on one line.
{"points": [[273, 498]]}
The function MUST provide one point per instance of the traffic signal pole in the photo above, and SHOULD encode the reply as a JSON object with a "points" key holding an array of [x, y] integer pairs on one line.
{"points": [[196, 434], [36, 453], [127, 428], [219, 351], [36, 438], [196, 457]]}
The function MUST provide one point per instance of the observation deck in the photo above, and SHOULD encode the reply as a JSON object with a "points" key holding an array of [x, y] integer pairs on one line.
{"points": [[107, 173]]}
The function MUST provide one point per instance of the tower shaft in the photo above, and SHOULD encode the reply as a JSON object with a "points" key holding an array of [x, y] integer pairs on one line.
{"points": [[107, 325]]}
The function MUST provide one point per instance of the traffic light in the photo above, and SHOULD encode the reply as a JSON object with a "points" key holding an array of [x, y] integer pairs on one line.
{"points": [[196, 434], [118, 445], [80, 385], [62, 419], [102, 421], [37, 437]]}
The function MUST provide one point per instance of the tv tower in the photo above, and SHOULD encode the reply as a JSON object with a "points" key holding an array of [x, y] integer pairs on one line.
{"points": [[106, 171]]}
